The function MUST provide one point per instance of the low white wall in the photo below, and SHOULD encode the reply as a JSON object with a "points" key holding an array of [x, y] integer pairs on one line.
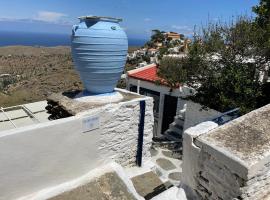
{"points": [[230, 161], [191, 157], [119, 139], [195, 114], [45, 155]]}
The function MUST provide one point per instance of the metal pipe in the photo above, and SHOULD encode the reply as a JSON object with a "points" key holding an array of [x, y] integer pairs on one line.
{"points": [[8, 117], [28, 112]]}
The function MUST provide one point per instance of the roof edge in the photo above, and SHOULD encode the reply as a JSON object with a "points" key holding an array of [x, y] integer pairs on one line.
{"points": [[141, 69]]}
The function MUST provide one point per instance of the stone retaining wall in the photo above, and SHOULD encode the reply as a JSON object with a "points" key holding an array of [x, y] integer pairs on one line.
{"points": [[231, 161], [119, 138]]}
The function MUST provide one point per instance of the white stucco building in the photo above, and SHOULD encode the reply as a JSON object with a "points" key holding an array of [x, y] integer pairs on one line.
{"points": [[169, 104]]}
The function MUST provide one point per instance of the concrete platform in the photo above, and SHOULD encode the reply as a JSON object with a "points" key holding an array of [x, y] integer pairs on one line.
{"points": [[99, 98], [67, 104], [36, 106], [23, 115]]}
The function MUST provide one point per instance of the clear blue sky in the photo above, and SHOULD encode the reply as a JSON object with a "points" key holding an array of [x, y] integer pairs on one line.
{"points": [[140, 16]]}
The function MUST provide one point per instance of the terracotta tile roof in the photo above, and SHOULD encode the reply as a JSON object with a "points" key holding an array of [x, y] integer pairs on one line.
{"points": [[148, 73]]}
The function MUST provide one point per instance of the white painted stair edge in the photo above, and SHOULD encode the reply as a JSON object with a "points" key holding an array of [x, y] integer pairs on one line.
{"points": [[178, 120], [173, 193]]}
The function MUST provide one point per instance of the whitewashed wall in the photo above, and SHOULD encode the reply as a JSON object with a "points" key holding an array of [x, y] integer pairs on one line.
{"points": [[45, 155], [191, 157], [119, 138], [195, 114], [230, 161]]}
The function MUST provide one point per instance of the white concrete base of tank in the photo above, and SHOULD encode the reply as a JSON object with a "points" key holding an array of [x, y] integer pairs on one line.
{"points": [[105, 98]]}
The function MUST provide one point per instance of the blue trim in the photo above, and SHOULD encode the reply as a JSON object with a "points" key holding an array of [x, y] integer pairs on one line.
{"points": [[140, 137], [227, 116]]}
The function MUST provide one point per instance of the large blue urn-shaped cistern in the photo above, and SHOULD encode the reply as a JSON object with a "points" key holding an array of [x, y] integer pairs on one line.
{"points": [[99, 50]]}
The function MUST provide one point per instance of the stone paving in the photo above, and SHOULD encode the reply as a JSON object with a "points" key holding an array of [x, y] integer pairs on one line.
{"points": [[149, 185], [108, 186], [168, 165]]}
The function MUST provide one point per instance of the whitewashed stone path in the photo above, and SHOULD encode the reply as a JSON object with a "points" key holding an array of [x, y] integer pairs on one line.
{"points": [[168, 165]]}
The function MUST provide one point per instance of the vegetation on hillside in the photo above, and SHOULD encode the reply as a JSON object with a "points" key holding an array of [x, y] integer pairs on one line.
{"points": [[156, 37], [225, 63]]}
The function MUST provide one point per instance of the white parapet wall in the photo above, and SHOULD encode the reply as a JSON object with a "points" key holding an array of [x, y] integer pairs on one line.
{"points": [[231, 161], [196, 114], [45, 155]]}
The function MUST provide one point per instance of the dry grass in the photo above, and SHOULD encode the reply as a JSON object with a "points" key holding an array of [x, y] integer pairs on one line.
{"points": [[38, 72]]}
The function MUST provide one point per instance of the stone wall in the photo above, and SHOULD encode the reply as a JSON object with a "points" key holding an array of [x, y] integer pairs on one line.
{"points": [[119, 136], [231, 161]]}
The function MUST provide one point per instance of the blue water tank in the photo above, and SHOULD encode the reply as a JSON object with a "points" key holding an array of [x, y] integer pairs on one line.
{"points": [[99, 50]]}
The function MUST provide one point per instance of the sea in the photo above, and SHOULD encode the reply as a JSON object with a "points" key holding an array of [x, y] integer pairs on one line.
{"points": [[46, 39]]}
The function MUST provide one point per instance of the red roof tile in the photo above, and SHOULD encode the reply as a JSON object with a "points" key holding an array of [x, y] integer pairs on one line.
{"points": [[147, 74]]}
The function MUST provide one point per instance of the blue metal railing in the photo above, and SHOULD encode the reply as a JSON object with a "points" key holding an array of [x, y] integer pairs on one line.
{"points": [[227, 116]]}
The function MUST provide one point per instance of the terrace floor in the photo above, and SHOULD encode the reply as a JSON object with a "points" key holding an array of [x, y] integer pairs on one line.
{"points": [[23, 115], [156, 177]]}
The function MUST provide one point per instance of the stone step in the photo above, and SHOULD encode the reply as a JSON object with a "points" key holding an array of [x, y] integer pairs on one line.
{"points": [[173, 136], [175, 154], [179, 121], [105, 185], [179, 117], [149, 185], [167, 144], [176, 128]]}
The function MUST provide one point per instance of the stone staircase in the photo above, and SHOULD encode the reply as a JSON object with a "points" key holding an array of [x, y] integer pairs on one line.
{"points": [[172, 138], [175, 131]]}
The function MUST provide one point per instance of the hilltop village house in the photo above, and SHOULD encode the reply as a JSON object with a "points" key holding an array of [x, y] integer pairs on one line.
{"points": [[172, 35], [172, 112]]}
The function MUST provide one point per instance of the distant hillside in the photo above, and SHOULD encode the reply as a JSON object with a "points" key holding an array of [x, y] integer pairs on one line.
{"points": [[34, 51], [29, 74]]}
